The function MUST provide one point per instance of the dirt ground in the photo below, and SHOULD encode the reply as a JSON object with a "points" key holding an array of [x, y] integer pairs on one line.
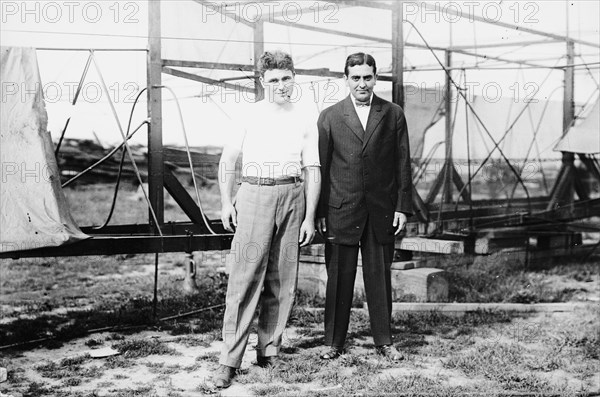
{"points": [[56, 314], [486, 353]]}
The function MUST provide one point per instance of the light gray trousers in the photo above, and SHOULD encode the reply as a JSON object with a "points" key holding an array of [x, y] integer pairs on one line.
{"points": [[263, 267]]}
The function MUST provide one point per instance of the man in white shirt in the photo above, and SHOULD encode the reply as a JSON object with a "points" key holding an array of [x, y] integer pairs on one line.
{"points": [[274, 213]]}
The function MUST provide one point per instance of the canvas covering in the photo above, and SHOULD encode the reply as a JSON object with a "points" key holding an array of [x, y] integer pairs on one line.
{"points": [[33, 208], [585, 137]]}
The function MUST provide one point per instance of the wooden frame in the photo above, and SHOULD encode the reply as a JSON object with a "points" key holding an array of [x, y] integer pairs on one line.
{"points": [[196, 235]]}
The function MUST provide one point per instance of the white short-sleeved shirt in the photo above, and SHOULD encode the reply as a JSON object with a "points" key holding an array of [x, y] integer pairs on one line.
{"points": [[276, 141]]}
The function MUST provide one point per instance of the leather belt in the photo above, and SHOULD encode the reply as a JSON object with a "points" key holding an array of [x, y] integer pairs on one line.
{"points": [[253, 180]]}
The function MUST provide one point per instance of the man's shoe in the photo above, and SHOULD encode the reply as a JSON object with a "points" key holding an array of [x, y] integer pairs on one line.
{"points": [[266, 362], [332, 353], [389, 351], [223, 375]]}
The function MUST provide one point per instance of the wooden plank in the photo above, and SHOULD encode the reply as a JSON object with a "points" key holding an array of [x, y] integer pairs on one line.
{"points": [[179, 157], [185, 201], [169, 228], [205, 164], [103, 245], [397, 54], [155, 141], [208, 65], [258, 48], [471, 307], [558, 241], [404, 265], [206, 80], [437, 246]]}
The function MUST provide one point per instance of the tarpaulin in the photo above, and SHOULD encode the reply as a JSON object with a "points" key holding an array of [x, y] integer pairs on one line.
{"points": [[33, 207], [585, 137]]}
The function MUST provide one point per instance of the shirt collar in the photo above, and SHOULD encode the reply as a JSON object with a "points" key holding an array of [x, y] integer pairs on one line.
{"points": [[366, 107]]}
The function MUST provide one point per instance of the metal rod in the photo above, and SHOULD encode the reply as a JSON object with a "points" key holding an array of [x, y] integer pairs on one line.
{"points": [[155, 297], [91, 49], [128, 148], [520, 28], [64, 131], [447, 190]]}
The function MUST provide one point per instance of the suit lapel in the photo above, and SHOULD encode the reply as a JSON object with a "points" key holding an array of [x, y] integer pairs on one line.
{"points": [[351, 118], [375, 115]]}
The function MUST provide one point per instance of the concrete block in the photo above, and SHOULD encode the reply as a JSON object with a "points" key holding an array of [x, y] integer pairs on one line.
{"points": [[312, 278], [425, 284], [422, 284]]}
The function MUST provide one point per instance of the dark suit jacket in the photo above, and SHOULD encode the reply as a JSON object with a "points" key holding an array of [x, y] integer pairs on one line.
{"points": [[366, 174]]}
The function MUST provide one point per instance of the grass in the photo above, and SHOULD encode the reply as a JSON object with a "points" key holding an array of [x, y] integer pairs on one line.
{"points": [[489, 282], [483, 353], [162, 369], [210, 357], [136, 348], [121, 305], [127, 210]]}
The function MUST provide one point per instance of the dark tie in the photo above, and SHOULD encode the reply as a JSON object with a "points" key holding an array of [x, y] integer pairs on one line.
{"points": [[361, 104]]}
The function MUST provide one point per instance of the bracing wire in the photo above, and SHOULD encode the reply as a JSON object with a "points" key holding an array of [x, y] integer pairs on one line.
{"points": [[128, 148], [189, 156], [475, 114]]}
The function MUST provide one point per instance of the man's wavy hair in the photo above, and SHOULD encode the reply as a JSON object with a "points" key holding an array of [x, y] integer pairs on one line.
{"points": [[359, 58], [275, 60]]}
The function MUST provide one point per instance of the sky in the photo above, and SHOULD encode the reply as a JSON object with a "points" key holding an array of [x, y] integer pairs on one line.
{"points": [[193, 32]]}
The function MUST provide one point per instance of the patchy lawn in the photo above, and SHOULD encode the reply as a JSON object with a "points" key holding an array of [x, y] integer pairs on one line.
{"points": [[73, 304], [58, 313]]}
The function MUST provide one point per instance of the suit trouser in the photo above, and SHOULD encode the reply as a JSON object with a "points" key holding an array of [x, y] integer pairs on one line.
{"points": [[263, 268], [341, 261]]}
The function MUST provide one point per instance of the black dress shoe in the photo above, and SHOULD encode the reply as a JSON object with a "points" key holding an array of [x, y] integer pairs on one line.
{"points": [[332, 353], [266, 362], [389, 351]]}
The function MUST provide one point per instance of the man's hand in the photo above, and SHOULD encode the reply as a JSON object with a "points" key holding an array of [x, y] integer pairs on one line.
{"points": [[228, 212], [399, 222], [321, 225], [307, 232]]}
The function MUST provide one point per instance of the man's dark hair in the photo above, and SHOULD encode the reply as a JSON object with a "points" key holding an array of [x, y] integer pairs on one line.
{"points": [[359, 58], [275, 60]]}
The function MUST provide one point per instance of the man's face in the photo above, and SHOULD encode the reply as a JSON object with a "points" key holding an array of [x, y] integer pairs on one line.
{"points": [[361, 81], [279, 85]]}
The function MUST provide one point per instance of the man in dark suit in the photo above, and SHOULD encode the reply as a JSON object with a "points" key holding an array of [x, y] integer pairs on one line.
{"points": [[365, 200]]}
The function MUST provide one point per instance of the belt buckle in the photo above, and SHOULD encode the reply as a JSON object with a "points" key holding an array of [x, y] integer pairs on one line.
{"points": [[269, 181]]}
